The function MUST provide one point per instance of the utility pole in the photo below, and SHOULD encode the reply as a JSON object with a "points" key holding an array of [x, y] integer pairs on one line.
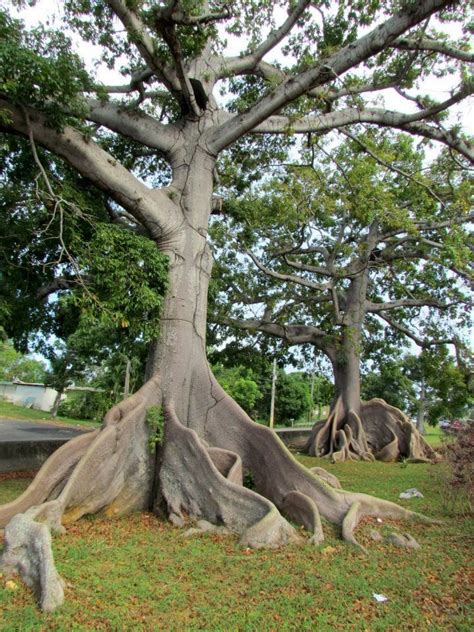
{"points": [[313, 375], [310, 412], [272, 401], [126, 388]]}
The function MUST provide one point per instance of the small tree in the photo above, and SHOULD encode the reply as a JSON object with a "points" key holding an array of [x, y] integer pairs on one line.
{"points": [[239, 382], [293, 397]]}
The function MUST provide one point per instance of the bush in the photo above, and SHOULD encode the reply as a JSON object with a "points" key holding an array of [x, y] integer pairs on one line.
{"points": [[460, 454], [86, 405]]}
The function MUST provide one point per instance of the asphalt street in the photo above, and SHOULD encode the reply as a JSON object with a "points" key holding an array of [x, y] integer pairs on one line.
{"points": [[15, 430]]}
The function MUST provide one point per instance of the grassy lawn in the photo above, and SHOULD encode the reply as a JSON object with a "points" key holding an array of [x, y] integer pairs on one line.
{"points": [[436, 437], [138, 573], [11, 411]]}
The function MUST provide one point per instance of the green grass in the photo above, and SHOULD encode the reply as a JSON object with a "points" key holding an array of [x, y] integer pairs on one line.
{"points": [[138, 573], [435, 436], [11, 411]]}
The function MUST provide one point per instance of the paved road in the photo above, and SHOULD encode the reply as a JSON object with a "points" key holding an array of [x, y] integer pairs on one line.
{"points": [[15, 430]]}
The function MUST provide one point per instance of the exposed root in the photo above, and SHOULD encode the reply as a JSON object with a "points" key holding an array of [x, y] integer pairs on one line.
{"points": [[404, 540], [301, 509], [28, 552], [276, 472], [199, 476], [326, 476], [350, 522], [193, 484], [51, 478], [203, 526], [379, 432], [103, 470]]}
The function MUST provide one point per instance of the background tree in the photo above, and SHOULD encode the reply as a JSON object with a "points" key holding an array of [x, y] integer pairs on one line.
{"points": [[239, 383], [16, 366], [369, 241], [429, 386], [293, 397], [172, 57]]}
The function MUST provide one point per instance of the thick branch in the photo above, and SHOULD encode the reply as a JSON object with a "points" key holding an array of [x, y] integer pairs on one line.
{"points": [[175, 14], [138, 126], [309, 268], [150, 207], [376, 308], [292, 334], [247, 63], [423, 225], [138, 34], [334, 66], [411, 123], [60, 283]]}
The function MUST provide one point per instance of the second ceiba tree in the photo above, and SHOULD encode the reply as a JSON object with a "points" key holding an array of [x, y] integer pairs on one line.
{"points": [[351, 245], [173, 55]]}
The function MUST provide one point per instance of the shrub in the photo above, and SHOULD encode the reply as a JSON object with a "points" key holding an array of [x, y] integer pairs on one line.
{"points": [[460, 454]]}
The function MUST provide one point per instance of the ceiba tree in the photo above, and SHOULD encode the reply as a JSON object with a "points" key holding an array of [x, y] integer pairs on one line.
{"points": [[173, 57], [366, 242]]}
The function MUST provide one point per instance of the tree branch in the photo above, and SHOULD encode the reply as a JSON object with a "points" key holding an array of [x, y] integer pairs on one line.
{"points": [[136, 125], [246, 63], [173, 13], [292, 334], [168, 32], [391, 167], [426, 44], [423, 343], [150, 207], [308, 268], [138, 34], [291, 278], [376, 308], [60, 283], [324, 72], [411, 123]]}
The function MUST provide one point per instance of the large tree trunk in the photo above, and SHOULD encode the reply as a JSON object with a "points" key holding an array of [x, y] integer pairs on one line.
{"points": [[209, 442], [362, 430]]}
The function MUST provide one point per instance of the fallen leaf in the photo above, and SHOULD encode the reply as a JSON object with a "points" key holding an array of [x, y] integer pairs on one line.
{"points": [[11, 585], [328, 550]]}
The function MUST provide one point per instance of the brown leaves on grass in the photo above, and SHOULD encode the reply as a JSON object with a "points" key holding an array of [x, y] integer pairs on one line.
{"points": [[9, 476]]}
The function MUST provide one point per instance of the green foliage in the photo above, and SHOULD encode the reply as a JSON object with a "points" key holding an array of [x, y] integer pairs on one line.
{"points": [[38, 68], [15, 365], [240, 384], [111, 285], [293, 397], [156, 423], [433, 375], [128, 282], [390, 383], [346, 217], [85, 405]]}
